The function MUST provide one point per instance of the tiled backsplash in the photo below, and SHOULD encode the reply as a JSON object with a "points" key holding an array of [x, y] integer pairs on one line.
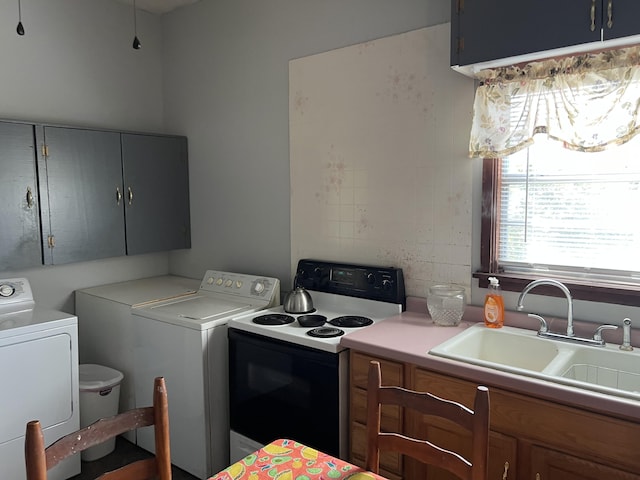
{"points": [[379, 136]]}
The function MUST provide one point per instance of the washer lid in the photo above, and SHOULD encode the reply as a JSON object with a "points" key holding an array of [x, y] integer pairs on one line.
{"points": [[199, 307]]}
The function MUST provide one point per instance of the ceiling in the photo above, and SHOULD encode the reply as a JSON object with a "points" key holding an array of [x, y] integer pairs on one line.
{"points": [[159, 6]]}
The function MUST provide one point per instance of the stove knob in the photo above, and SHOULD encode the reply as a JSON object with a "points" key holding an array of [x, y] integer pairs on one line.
{"points": [[6, 290], [318, 272], [371, 278], [386, 285]]}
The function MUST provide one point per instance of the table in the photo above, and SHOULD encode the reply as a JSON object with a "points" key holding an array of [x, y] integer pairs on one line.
{"points": [[285, 459]]}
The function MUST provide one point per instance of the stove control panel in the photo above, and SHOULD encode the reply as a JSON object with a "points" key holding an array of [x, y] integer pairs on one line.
{"points": [[385, 284]]}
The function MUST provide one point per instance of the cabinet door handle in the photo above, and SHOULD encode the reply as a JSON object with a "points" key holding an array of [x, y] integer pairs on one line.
{"points": [[130, 194], [506, 471], [29, 197], [593, 15], [118, 196], [610, 13], [537, 476]]}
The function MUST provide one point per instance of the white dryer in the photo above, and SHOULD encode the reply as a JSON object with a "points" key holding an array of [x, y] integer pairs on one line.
{"points": [[185, 341], [39, 377]]}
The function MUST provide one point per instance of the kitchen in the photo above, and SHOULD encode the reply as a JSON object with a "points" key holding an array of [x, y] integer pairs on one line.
{"points": [[217, 72]]}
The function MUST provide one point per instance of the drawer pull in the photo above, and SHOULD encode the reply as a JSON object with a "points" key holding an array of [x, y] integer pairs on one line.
{"points": [[29, 197], [506, 471]]}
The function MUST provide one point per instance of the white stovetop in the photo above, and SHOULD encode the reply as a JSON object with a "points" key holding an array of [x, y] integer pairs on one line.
{"points": [[326, 304]]}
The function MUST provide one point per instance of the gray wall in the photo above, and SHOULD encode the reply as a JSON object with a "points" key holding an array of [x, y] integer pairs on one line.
{"points": [[75, 66], [226, 88]]}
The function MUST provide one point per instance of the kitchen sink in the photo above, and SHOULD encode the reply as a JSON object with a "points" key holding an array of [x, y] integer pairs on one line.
{"points": [[507, 348], [602, 369]]}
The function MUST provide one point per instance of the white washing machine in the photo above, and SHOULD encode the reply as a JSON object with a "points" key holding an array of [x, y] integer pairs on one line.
{"points": [[105, 324], [185, 340], [38, 375]]}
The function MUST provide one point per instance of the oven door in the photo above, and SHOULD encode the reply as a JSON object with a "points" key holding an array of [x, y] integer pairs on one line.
{"points": [[282, 390]]}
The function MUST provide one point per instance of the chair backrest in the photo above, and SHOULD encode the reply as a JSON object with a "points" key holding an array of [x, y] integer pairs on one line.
{"points": [[475, 421], [40, 459]]}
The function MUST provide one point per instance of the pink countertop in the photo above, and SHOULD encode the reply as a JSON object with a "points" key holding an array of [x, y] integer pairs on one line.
{"points": [[409, 336]]}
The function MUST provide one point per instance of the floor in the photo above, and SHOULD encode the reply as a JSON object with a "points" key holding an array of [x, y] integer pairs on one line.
{"points": [[125, 452]]}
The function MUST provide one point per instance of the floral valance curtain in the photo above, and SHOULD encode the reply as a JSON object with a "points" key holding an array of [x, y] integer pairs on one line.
{"points": [[588, 102]]}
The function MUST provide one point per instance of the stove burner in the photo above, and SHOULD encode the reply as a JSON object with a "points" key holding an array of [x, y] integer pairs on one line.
{"points": [[351, 321], [311, 320], [325, 332], [274, 319]]}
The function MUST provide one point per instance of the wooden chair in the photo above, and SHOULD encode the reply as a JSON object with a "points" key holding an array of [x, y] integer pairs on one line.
{"points": [[476, 421], [40, 459]]}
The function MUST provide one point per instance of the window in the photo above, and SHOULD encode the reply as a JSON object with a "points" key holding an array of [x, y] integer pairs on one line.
{"points": [[568, 213], [554, 212]]}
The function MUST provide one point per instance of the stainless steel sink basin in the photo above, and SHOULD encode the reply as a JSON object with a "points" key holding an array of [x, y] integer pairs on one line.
{"points": [[606, 369]]}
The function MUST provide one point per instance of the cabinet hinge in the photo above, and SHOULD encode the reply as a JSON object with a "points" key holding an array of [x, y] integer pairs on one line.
{"points": [[51, 241], [460, 44], [45, 150]]}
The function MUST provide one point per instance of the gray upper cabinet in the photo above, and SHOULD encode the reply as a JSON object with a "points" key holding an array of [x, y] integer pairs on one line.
{"points": [[487, 30], [19, 219], [81, 183], [156, 181]]}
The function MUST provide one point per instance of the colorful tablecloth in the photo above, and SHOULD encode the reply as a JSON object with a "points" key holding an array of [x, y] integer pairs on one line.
{"points": [[290, 460]]}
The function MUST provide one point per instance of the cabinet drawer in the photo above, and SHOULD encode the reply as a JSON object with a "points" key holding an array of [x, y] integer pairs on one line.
{"points": [[390, 418], [388, 460], [392, 372], [385, 473], [442, 386]]}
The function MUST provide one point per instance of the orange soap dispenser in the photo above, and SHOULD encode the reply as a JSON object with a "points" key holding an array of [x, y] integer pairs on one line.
{"points": [[494, 305]]}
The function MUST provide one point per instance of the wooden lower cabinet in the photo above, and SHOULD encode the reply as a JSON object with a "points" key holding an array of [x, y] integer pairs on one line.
{"points": [[530, 438], [502, 448], [547, 464], [391, 464]]}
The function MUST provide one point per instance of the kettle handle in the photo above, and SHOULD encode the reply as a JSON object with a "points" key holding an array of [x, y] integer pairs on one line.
{"points": [[295, 281]]}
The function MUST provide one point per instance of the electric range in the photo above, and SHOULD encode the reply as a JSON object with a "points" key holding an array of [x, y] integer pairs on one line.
{"points": [[287, 382]]}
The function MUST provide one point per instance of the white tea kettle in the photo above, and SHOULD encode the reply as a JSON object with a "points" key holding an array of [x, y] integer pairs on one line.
{"points": [[298, 300]]}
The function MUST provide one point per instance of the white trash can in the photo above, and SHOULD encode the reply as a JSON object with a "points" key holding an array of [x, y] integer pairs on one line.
{"points": [[99, 398]]}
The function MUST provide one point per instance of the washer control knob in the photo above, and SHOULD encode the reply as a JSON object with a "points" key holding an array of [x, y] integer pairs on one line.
{"points": [[210, 280], [258, 287], [228, 283], [6, 290], [219, 281], [238, 283]]}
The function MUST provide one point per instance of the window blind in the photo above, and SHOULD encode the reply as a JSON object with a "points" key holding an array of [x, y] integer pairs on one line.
{"points": [[571, 212]]}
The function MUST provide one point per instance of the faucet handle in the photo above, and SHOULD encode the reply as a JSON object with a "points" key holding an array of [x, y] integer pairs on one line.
{"points": [[597, 336], [544, 328]]}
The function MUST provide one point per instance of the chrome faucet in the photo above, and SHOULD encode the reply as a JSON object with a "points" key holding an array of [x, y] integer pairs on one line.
{"points": [[554, 283], [597, 339]]}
